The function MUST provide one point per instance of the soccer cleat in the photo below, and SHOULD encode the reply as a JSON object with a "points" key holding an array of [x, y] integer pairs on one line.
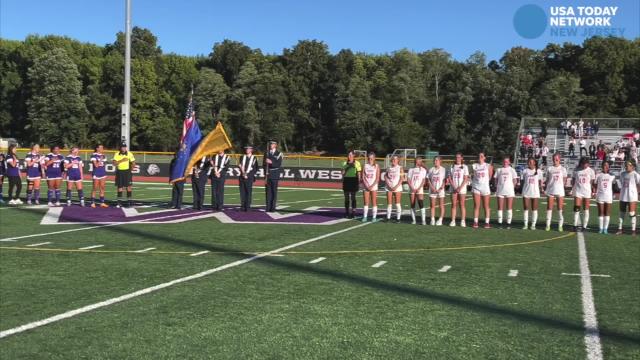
{"points": [[548, 228], [58, 203], [104, 205], [18, 201], [452, 223], [560, 228], [68, 202], [93, 205], [424, 222], [463, 224], [439, 222], [619, 232], [37, 202], [413, 222], [525, 227], [364, 219], [487, 225], [119, 206], [475, 225], [82, 203], [533, 227], [633, 233], [605, 231], [12, 202], [50, 204], [375, 220], [1, 200], [433, 222], [28, 202]]}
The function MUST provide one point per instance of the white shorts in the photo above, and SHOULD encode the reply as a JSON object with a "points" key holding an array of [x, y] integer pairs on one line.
{"points": [[463, 190], [419, 191], [554, 194], [439, 194], [531, 197], [604, 200], [34, 178], [506, 194], [54, 178], [373, 188], [99, 178], [629, 199], [582, 195], [397, 190], [483, 191]]}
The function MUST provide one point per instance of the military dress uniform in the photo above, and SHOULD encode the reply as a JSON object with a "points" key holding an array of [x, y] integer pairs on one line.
{"points": [[218, 175], [248, 166], [177, 190], [272, 175], [198, 181]]}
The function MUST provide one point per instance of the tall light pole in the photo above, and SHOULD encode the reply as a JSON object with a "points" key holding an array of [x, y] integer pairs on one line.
{"points": [[126, 107]]}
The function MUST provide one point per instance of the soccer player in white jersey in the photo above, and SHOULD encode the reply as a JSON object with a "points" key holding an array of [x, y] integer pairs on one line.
{"points": [[370, 178], [556, 177], [393, 178], [629, 188], [506, 178], [604, 197], [583, 178], [531, 180], [482, 173], [458, 179], [437, 179], [416, 178]]}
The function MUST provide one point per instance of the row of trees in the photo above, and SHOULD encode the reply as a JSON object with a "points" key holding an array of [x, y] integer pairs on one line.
{"points": [[58, 90]]}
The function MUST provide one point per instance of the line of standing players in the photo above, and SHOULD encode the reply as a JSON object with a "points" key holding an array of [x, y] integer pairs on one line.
{"points": [[55, 168], [534, 182], [214, 168]]}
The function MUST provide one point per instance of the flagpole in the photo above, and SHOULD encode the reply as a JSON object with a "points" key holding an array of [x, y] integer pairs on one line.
{"points": [[126, 107]]}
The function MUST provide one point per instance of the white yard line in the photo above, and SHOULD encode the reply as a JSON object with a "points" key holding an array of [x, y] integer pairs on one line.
{"points": [[592, 275], [513, 273], [144, 250], [88, 308], [39, 244], [90, 247], [592, 334], [378, 264], [199, 253], [315, 261], [444, 268]]}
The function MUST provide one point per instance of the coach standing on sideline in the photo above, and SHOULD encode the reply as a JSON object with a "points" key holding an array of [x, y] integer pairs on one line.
{"points": [[218, 174], [271, 162], [248, 166], [124, 161]]}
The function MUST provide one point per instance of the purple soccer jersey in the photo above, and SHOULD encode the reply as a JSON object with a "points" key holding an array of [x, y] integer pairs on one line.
{"points": [[13, 166], [33, 164], [73, 172], [99, 171], [54, 170]]}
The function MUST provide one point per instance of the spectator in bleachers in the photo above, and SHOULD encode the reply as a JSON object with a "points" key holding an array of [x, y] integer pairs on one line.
{"points": [[600, 153], [580, 128], [583, 146], [544, 152], [596, 127], [572, 147], [573, 129], [592, 151], [564, 127]]}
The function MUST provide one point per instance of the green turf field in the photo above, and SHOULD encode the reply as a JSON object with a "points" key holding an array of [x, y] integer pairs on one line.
{"points": [[295, 306]]}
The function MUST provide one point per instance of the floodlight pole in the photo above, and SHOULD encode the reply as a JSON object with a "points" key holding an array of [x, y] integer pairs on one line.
{"points": [[126, 107]]}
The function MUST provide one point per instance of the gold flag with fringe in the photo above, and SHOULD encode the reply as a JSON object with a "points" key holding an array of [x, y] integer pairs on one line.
{"points": [[215, 141]]}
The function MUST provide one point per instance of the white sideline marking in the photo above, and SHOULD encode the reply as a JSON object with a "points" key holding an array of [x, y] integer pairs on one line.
{"points": [[39, 244], [91, 247], [315, 261], [199, 253], [596, 275], [592, 334], [444, 268], [513, 273], [378, 264], [151, 289], [144, 250]]}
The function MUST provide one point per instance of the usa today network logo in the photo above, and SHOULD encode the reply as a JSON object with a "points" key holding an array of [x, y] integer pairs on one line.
{"points": [[531, 21]]}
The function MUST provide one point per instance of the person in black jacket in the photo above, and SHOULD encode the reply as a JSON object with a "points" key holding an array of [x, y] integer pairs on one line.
{"points": [[248, 166], [218, 175], [178, 187], [272, 162], [198, 181]]}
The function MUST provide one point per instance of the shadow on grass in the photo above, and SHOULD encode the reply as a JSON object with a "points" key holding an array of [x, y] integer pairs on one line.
{"points": [[478, 306]]}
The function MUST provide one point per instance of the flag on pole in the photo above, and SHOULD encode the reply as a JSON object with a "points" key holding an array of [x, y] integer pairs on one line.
{"points": [[189, 141], [214, 142]]}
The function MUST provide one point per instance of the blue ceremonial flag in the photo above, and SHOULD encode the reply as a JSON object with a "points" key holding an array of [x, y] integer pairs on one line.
{"points": [[189, 141]]}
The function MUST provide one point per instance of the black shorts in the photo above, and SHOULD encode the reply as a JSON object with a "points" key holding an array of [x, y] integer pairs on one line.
{"points": [[350, 184], [123, 178]]}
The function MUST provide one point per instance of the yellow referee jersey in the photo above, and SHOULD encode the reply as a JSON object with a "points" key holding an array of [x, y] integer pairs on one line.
{"points": [[125, 164]]}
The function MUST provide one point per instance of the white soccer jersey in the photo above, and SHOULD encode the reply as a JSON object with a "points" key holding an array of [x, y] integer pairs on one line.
{"points": [[531, 182], [604, 183], [629, 182], [504, 181], [394, 177], [480, 180], [555, 177], [436, 179], [416, 178], [369, 174], [458, 173], [582, 180]]}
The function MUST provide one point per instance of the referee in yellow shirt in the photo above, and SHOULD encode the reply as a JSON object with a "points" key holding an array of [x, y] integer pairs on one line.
{"points": [[124, 162]]}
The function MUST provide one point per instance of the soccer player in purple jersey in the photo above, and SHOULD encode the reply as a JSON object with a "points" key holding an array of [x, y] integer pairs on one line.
{"points": [[13, 173], [54, 164], [73, 165], [98, 159], [33, 163]]}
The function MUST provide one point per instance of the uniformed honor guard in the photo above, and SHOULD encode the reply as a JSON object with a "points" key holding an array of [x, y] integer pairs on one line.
{"points": [[248, 166], [178, 186], [218, 175], [198, 181], [272, 163]]}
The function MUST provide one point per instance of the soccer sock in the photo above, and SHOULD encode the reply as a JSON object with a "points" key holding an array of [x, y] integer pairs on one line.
{"points": [[388, 212], [365, 211], [129, 194], [81, 195], [600, 222], [526, 217], [621, 220], [68, 195], [585, 218], [487, 220], [560, 218], [576, 218], [119, 197], [374, 212], [549, 214], [58, 194], [499, 216], [509, 216], [413, 214], [29, 194], [93, 199], [606, 222], [398, 211], [49, 195], [633, 220], [36, 194], [534, 217], [102, 199], [475, 220], [423, 214]]}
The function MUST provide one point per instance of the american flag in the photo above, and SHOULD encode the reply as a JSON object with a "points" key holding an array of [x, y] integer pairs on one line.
{"points": [[189, 117]]}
